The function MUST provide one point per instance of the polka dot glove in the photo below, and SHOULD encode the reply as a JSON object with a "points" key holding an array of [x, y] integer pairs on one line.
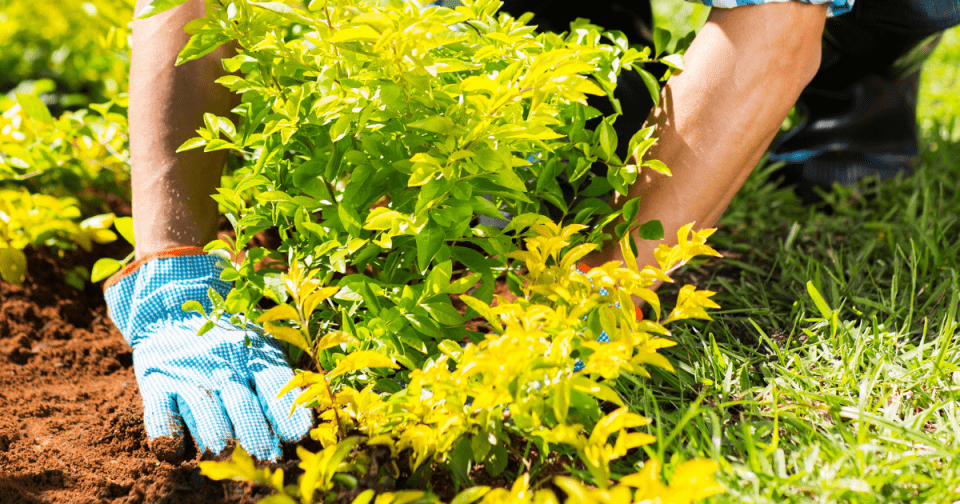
{"points": [[220, 386]]}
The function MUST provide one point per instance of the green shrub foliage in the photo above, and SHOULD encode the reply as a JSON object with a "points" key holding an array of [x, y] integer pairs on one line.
{"points": [[57, 165], [80, 46], [373, 135]]}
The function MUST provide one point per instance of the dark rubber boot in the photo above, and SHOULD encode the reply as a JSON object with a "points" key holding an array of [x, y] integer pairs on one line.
{"points": [[860, 109]]}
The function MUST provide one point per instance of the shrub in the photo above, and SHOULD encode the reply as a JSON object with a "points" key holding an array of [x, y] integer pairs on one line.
{"points": [[373, 136], [79, 46], [31, 220], [53, 171], [65, 155]]}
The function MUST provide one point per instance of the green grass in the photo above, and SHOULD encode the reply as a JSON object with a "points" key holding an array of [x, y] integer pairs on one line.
{"points": [[832, 371]]}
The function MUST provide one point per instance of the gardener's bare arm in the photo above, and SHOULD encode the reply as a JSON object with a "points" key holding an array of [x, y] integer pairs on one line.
{"points": [[225, 385], [744, 72], [171, 192]]}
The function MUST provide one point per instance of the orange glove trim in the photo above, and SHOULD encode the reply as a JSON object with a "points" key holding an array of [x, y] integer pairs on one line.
{"points": [[163, 254]]}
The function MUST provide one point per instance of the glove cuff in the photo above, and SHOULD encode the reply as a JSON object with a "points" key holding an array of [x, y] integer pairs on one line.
{"points": [[153, 289]]}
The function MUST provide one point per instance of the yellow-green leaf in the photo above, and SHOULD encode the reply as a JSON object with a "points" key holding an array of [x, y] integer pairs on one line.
{"points": [[103, 268], [335, 338], [381, 218], [301, 380], [289, 335], [279, 312], [13, 266], [470, 495], [484, 310], [125, 226], [436, 124], [362, 360], [598, 390], [310, 302], [356, 34], [102, 221]]}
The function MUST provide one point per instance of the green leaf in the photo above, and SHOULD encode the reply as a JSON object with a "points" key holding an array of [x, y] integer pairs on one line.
{"points": [[103, 268], [443, 313], [201, 45], [193, 306], [818, 300], [651, 230], [34, 108], [657, 165], [630, 209], [496, 461], [561, 401], [661, 39], [653, 86], [674, 61], [193, 143], [124, 226], [608, 138], [439, 279], [429, 240], [205, 328], [484, 310], [154, 7], [350, 219], [13, 266], [460, 462], [285, 11]]}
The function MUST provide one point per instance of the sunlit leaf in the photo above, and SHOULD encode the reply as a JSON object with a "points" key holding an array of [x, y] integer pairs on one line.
{"points": [[13, 266], [362, 360], [103, 268]]}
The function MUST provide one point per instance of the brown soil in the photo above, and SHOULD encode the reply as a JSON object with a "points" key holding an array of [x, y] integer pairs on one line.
{"points": [[71, 424], [71, 419]]}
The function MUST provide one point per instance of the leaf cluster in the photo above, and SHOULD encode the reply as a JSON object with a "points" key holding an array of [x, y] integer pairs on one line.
{"points": [[374, 136], [691, 481], [35, 219], [539, 377], [78, 46], [65, 155]]}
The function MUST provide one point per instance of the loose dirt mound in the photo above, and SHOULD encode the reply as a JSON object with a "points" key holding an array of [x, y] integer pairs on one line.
{"points": [[71, 424]]}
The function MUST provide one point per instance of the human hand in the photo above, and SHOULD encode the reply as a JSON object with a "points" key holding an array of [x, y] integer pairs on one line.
{"points": [[222, 385]]}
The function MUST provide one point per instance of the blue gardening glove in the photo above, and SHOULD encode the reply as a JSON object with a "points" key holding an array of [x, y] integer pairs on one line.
{"points": [[220, 387]]}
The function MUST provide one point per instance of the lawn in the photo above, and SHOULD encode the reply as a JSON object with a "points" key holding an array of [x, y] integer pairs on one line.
{"points": [[832, 371]]}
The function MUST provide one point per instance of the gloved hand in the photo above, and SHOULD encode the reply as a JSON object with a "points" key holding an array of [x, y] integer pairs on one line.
{"points": [[220, 387]]}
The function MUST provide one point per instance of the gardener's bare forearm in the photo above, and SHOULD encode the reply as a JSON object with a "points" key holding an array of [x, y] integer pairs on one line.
{"points": [[171, 192], [744, 72]]}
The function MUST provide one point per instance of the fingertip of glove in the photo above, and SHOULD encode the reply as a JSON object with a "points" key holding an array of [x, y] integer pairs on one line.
{"points": [[295, 427]]}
